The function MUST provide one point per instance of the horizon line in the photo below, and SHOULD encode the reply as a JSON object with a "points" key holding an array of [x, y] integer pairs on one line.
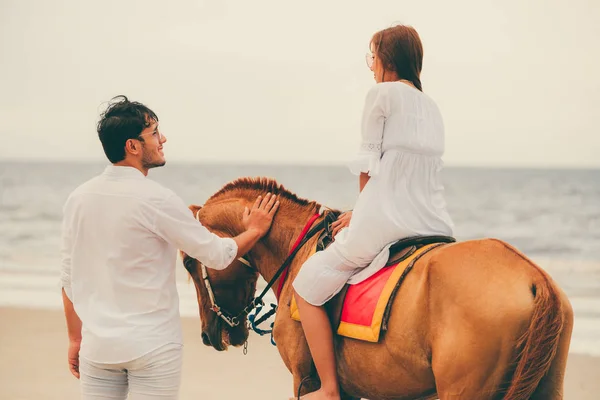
{"points": [[248, 163]]}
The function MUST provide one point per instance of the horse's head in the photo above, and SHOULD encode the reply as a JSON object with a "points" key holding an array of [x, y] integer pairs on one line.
{"points": [[233, 289]]}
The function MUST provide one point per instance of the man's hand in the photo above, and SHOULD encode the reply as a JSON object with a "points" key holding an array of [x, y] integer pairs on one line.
{"points": [[341, 222], [73, 358], [257, 222], [260, 217]]}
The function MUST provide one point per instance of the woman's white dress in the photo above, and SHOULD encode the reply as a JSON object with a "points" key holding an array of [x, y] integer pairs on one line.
{"points": [[401, 149]]}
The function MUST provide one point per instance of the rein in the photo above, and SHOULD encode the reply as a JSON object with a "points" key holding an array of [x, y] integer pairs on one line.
{"points": [[294, 247], [304, 237]]}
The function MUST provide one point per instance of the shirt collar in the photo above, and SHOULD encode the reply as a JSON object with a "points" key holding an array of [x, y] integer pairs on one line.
{"points": [[122, 171]]}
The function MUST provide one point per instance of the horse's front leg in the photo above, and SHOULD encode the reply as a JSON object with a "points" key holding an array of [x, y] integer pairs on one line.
{"points": [[294, 351]]}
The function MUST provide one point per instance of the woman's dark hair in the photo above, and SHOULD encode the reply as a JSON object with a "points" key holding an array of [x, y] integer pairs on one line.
{"points": [[400, 49], [121, 121]]}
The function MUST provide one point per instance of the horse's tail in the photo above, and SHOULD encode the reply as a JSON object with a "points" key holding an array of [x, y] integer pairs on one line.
{"points": [[538, 345]]}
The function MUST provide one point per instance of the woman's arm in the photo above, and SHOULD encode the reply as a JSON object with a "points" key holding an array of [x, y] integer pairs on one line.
{"points": [[363, 179], [375, 110]]}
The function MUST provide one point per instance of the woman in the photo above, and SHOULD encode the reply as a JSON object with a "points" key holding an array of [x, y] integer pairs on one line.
{"points": [[401, 194]]}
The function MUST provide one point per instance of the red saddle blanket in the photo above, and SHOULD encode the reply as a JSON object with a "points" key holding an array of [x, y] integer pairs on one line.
{"points": [[364, 304]]}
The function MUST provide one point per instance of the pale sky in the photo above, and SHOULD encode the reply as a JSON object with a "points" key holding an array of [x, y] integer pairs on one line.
{"points": [[279, 81]]}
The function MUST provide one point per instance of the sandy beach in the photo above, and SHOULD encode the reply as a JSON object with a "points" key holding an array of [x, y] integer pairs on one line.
{"points": [[33, 347]]}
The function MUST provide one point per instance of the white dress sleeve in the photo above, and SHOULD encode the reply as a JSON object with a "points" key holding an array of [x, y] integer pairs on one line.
{"points": [[374, 114]]}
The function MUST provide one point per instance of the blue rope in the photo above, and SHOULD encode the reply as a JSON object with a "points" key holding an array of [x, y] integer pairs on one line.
{"points": [[253, 322]]}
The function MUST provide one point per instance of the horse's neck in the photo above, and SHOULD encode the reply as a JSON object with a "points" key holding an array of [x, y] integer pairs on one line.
{"points": [[277, 245], [269, 254]]}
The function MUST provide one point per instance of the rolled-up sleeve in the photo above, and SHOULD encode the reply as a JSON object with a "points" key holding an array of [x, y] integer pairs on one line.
{"points": [[175, 224], [65, 256], [375, 110]]}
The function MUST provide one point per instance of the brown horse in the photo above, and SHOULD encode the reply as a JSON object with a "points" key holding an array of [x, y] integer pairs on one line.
{"points": [[472, 320]]}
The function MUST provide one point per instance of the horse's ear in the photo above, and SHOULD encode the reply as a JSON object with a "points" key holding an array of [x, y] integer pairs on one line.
{"points": [[194, 209]]}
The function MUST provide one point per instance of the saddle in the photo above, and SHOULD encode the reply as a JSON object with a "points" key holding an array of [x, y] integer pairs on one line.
{"points": [[361, 311]]}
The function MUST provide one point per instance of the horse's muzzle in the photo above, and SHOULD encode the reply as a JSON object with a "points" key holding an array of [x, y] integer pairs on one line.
{"points": [[205, 339], [213, 336]]}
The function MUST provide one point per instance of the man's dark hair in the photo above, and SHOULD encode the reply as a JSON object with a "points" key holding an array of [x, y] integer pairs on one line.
{"points": [[121, 121]]}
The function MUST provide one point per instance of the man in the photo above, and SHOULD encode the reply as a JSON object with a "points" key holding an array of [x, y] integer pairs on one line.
{"points": [[121, 232]]}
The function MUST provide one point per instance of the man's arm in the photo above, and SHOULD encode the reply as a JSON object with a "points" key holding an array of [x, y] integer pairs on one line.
{"points": [[175, 223], [246, 241], [74, 332], [73, 321]]}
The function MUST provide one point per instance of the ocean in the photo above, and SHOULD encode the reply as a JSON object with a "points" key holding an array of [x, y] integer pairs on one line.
{"points": [[553, 216]]}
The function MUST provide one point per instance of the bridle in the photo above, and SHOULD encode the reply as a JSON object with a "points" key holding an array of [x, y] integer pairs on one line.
{"points": [[224, 315], [305, 236]]}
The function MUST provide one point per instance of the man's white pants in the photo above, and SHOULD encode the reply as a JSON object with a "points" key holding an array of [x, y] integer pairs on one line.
{"points": [[157, 375]]}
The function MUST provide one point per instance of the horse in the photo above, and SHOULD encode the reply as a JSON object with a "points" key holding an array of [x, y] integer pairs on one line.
{"points": [[474, 319]]}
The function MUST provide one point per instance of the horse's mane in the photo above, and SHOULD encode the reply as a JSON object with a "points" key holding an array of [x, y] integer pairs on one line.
{"points": [[260, 185]]}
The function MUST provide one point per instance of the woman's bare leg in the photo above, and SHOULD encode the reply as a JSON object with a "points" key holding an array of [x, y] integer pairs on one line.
{"points": [[319, 335]]}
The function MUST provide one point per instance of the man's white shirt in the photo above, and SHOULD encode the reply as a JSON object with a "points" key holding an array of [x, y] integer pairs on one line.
{"points": [[121, 233]]}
